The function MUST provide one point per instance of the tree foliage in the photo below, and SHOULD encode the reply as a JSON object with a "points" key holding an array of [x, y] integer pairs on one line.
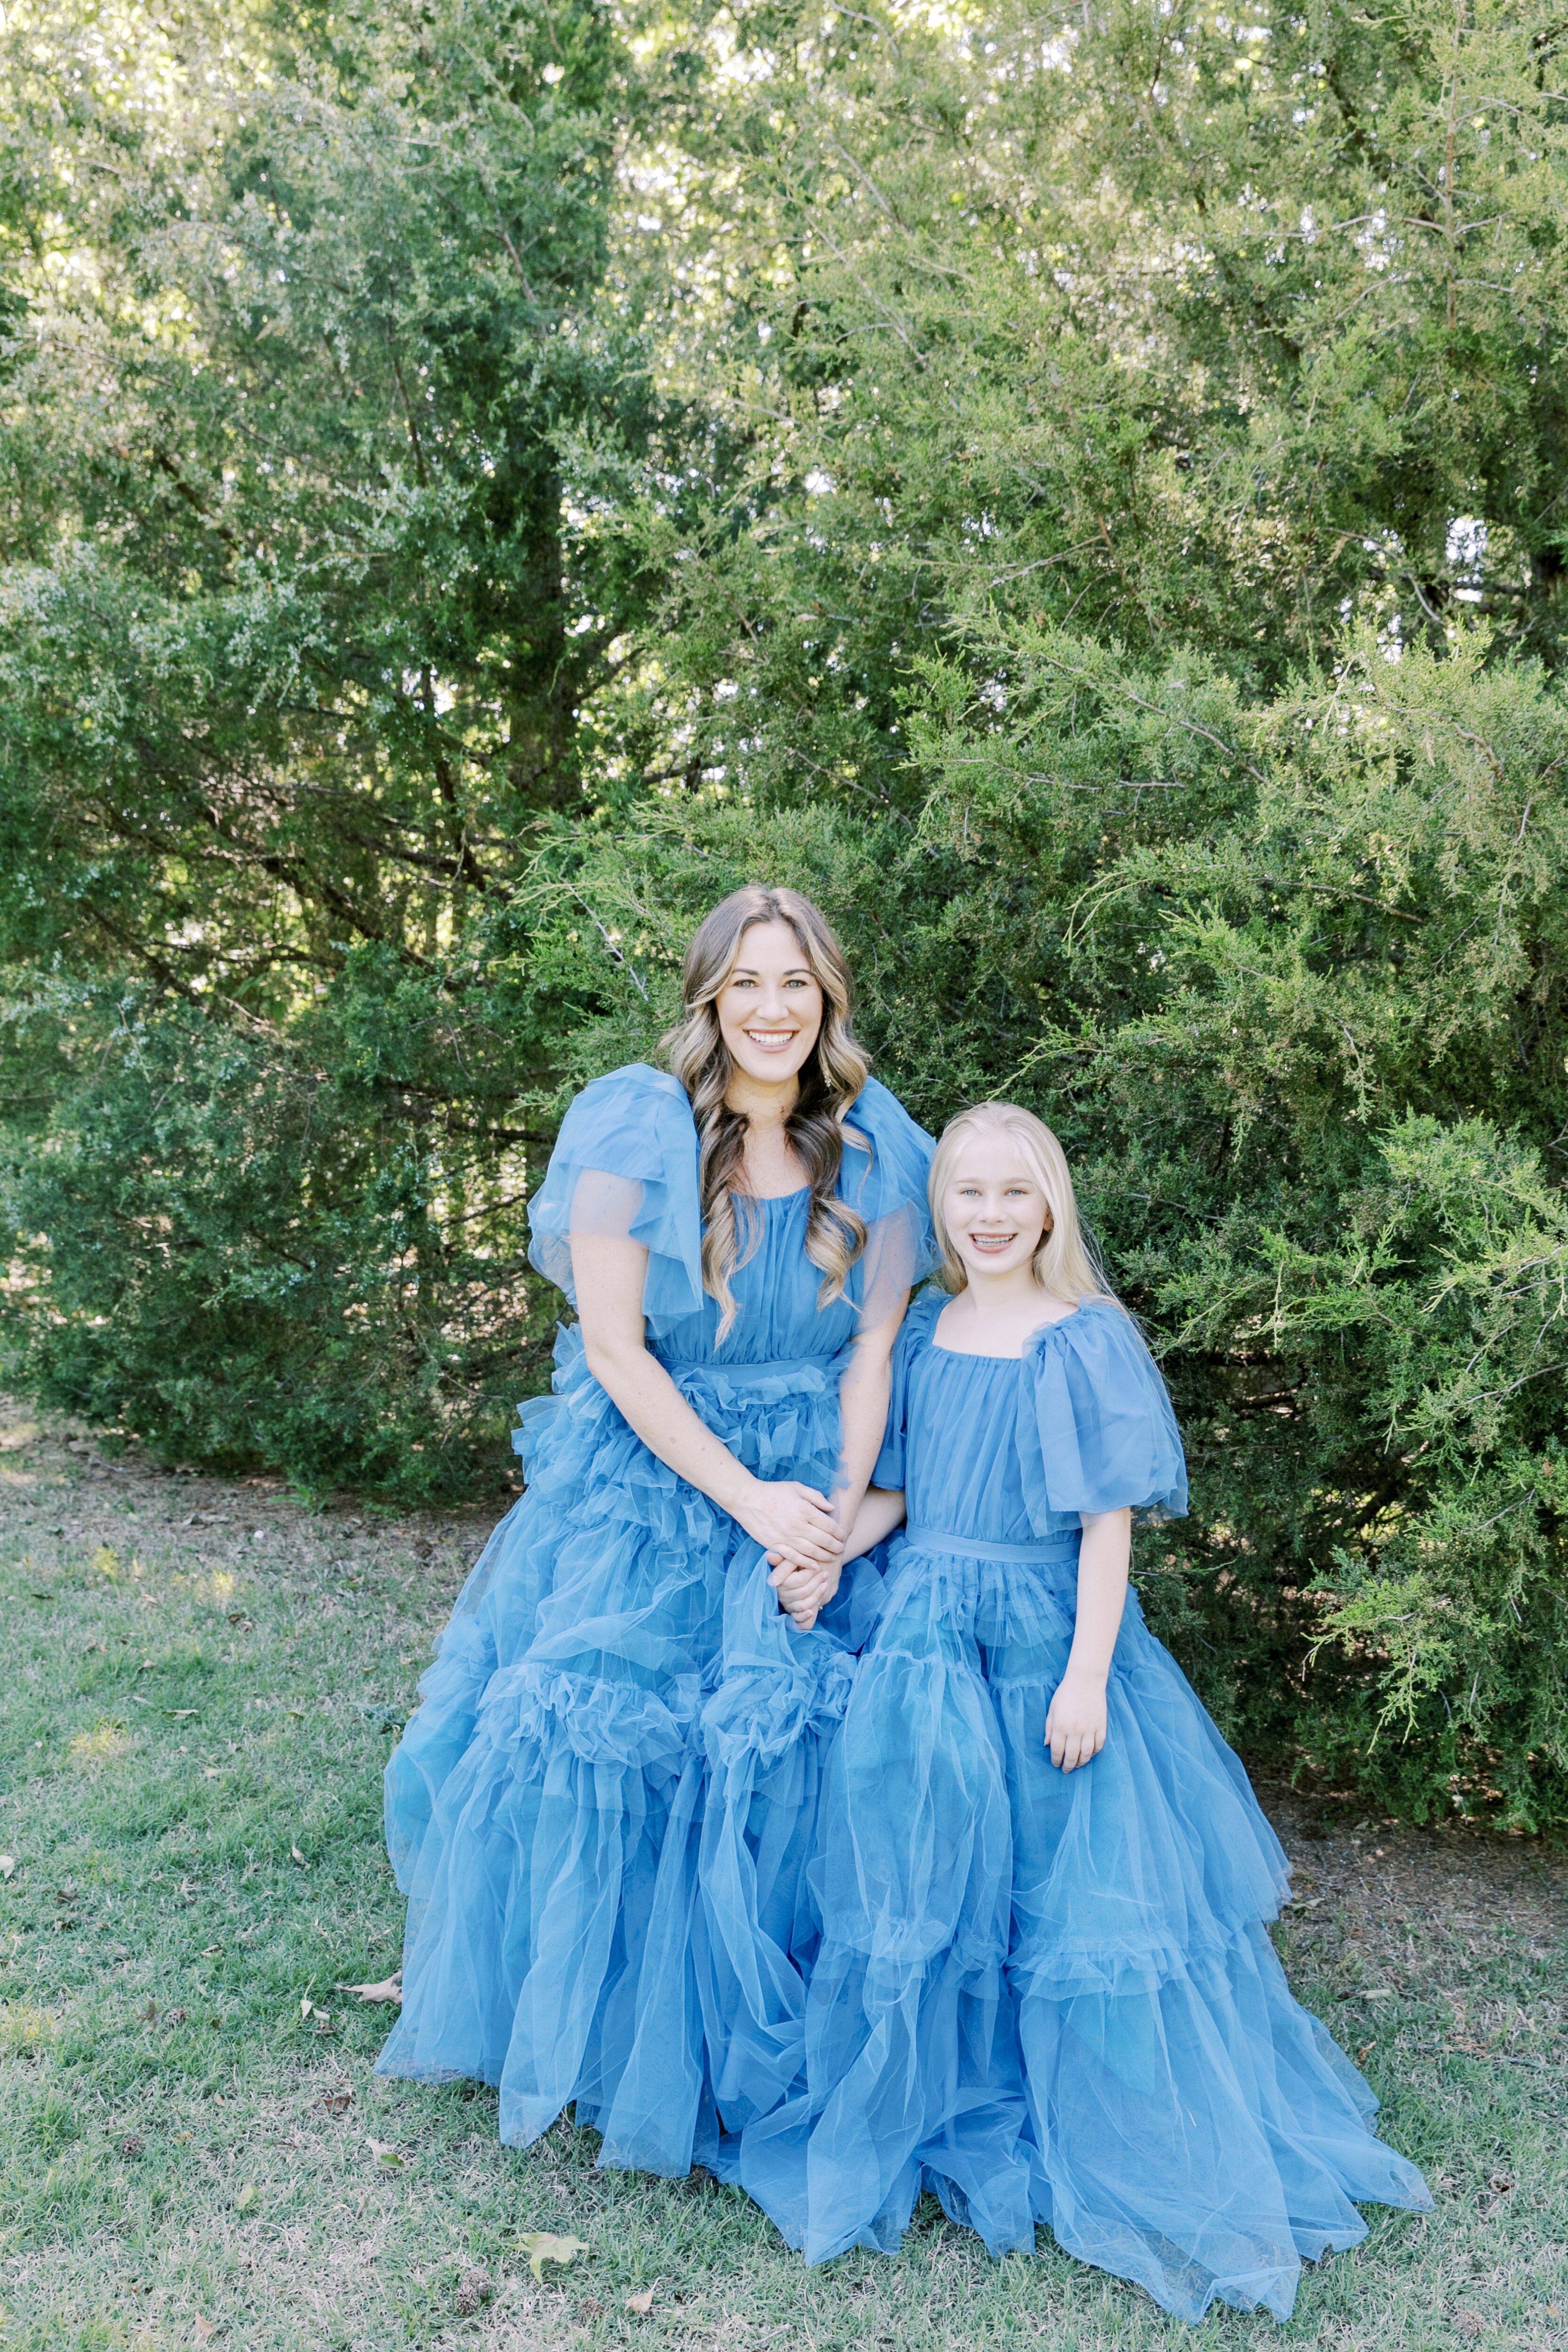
{"points": [[1084, 493]]}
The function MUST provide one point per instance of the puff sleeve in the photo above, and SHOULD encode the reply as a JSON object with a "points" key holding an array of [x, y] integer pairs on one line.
{"points": [[1096, 1431], [887, 1186], [625, 1165]]}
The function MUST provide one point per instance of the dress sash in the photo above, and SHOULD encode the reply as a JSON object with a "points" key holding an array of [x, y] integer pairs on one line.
{"points": [[1044, 1553]]}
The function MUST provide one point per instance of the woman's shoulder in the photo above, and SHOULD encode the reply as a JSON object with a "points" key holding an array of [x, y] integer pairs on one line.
{"points": [[887, 1154], [629, 1122], [634, 1082], [624, 1166]]}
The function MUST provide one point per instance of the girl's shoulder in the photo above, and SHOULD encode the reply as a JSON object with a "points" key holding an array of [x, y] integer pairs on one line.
{"points": [[920, 1321], [1096, 1423], [1094, 1328]]}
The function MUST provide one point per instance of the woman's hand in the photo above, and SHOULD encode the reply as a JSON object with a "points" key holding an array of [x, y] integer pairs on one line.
{"points": [[794, 1520], [1075, 1726]]}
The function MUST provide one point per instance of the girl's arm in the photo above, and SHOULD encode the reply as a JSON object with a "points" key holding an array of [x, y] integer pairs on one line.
{"points": [[1075, 1726], [781, 1515], [879, 1515], [863, 1396]]}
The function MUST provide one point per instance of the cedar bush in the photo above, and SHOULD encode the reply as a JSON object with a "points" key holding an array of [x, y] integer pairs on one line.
{"points": [[1085, 496]]}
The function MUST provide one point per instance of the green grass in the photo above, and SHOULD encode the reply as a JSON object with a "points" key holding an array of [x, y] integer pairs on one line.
{"points": [[190, 1745]]}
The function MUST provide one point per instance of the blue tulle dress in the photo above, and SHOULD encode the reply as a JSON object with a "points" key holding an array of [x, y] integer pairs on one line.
{"points": [[1052, 1996], [601, 1810]]}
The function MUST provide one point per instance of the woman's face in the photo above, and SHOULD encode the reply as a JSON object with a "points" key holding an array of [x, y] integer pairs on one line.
{"points": [[770, 1007], [993, 1208]]}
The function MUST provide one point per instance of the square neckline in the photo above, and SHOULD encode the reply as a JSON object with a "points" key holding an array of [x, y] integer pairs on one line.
{"points": [[975, 1356]]}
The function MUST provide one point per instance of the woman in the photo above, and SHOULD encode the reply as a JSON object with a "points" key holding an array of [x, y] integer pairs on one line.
{"points": [[601, 1810]]}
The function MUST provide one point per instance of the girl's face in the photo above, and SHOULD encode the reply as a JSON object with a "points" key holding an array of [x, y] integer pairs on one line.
{"points": [[995, 1212], [770, 1007]]}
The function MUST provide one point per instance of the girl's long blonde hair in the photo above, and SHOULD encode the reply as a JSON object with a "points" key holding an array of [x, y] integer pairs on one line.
{"points": [[1066, 1264], [834, 1074]]}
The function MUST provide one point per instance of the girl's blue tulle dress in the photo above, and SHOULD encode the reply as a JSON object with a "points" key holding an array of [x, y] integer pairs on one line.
{"points": [[1052, 1996], [601, 1810]]}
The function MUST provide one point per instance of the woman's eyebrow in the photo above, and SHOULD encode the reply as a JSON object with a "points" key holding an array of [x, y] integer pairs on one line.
{"points": [[750, 972]]}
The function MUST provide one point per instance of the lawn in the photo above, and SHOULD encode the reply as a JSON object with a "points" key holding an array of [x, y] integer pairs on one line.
{"points": [[194, 2150]]}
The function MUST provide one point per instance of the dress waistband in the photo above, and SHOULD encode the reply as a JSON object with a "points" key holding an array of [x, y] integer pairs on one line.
{"points": [[1049, 1548], [676, 1365]]}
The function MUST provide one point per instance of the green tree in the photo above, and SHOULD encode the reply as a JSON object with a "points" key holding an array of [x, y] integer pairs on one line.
{"points": [[300, 634], [1145, 538], [1084, 495]]}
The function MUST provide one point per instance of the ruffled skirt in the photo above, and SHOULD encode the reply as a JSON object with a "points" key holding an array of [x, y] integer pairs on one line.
{"points": [[601, 1811], [1050, 1996]]}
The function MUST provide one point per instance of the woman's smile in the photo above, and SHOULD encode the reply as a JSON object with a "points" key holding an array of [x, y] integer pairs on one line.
{"points": [[770, 1007]]}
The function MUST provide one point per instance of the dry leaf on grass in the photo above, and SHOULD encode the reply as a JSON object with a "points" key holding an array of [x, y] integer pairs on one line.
{"points": [[338, 2102], [295, 1854], [7, 1864], [542, 2246], [248, 2196], [473, 2288], [203, 2329], [641, 2304], [390, 1988]]}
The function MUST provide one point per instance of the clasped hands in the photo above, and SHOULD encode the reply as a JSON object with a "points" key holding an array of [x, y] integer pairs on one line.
{"points": [[798, 1529]]}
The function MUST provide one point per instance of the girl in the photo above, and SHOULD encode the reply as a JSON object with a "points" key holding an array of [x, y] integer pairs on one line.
{"points": [[1045, 1988], [601, 1810]]}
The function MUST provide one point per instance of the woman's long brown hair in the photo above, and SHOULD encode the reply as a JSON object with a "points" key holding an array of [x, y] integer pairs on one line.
{"points": [[833, 1074]]}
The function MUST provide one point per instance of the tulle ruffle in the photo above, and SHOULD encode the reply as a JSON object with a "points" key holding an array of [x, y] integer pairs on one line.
{"points": [[1052, 1996], [601, 1810]]}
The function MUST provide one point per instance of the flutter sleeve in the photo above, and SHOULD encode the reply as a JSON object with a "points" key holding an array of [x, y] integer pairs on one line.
{"points": [[625, 1165], [1095, 1426], [887, 1185]]}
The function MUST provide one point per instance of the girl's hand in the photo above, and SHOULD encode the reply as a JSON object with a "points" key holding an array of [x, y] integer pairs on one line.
{"points": [[785, 1517], [1075, 1726], [802, 1591]]}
